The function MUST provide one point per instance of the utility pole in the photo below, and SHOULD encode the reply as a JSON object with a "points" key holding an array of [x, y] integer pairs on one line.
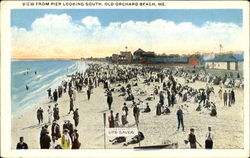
{"points": [[104, 133]]}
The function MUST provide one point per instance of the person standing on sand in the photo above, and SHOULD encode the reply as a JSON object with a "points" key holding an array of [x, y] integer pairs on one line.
{"points": [[203, 98], [70, 92], [49, 93], [43, 132], [233, 96], [56, 112], [76, 117], [50, 114], [71, 129], [124, 118], [192, 139], [55, 95], [21, 144], [109, 100], [71, 105], [229, 98], [220, 93], [209, 139], [76, 144], [66, 140], [125, 108], [40, 115], [55, 130], [88, 93], [180, 118], [111, 120], [225, 98], [45, 141]]}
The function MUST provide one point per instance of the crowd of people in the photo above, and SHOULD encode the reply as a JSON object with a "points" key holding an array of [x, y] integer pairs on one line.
{"points": [[123, 80]]}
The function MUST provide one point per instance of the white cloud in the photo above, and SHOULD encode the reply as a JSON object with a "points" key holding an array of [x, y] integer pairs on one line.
{"points": [[58, 35], [91, 22]]}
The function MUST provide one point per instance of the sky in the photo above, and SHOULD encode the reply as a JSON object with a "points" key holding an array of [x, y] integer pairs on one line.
{"points": [[76, 33]]}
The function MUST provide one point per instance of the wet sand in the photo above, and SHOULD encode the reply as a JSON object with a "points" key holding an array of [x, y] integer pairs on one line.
{"points": [[227, 126]]}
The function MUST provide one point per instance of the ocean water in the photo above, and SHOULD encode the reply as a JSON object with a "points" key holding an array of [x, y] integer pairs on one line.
{"points": [[49, 74]]}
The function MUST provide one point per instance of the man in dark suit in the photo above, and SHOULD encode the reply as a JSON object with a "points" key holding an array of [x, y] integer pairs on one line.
{"points": [[45, 141], [225, 98], [180, 118], [55, 130], [21, 144], [109, 100], [76, 117]]}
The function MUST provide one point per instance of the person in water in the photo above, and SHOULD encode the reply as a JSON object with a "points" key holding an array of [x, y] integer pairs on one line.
{"points": [[27, 87]]}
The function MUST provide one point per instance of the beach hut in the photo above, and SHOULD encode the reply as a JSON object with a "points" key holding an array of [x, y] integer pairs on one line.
{"points": [[223, 62]]}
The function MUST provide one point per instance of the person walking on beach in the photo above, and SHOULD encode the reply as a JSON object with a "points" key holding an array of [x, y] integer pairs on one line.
{"points": [[56, 112], [76, 144], [225, 98], [55, 130], [233, 96], [49, 93], [229, 98], [172, 98], [66, 140], [21, 144], [76, 117], [220, 93], [50, 114], [192, 139], [40, 115], [88, 93], [124, 118], [203, 98], [136, 112], [180, 118], [70, 92], [45, 141], [111, 120], [43, 132], [125, 108], [55, 95], [71, 105], [70, 129], [209, 139], [109, 100]]}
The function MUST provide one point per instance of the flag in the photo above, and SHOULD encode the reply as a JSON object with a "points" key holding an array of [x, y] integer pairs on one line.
{"points": [[221, 47]]}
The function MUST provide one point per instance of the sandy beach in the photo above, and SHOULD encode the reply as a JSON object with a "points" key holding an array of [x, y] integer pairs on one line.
{"points": [[227, 126]]}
